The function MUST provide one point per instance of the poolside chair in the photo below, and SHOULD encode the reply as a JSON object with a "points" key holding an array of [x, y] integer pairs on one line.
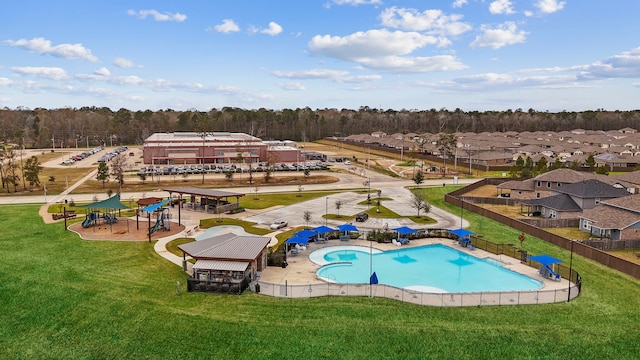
{"points": [[294, 251], [395, 242], [301, 247]]}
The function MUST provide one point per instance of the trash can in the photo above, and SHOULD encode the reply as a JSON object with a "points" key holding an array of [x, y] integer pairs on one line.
{"points": [[257, 288]]}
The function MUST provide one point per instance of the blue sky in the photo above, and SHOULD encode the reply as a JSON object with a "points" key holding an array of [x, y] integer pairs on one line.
{"points": [[387, 54]]}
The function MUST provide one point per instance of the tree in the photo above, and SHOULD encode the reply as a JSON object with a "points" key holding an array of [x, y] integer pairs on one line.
{"points": [[32, 171], [9, 168], [52, 179], [516, 168], [306, 216], [117, 168], [419, 204], [446, 142], [103, 173], [602, 170], [541, 166], [590, 162], [228, 175], [418, 178], [338, 205]]}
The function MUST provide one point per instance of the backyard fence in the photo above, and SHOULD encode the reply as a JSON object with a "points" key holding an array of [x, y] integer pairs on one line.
{"points": [[580, 248]]}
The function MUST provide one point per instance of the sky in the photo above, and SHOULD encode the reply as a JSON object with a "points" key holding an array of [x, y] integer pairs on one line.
{"points": [[476, 55]]}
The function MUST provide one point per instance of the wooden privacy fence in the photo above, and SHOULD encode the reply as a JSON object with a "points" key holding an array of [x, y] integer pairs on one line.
{"points": [[580, 248]]}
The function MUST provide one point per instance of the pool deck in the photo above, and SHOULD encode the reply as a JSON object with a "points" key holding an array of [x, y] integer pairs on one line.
{"points": [[302, 271]]}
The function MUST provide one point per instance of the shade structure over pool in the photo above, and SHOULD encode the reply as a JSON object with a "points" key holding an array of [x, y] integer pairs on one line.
{"points": [[545, 260], [297, 240], [404, 230], [460, 232], [323, 229], [305, 234], [347, 227]]}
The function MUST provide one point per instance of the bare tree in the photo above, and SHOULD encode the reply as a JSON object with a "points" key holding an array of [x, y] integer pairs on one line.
{"points": [[419, 204], [306, 216]]}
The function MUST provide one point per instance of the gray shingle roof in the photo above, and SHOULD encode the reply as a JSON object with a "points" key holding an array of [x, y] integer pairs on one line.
{"points": [[591, 188], [561, 202]]}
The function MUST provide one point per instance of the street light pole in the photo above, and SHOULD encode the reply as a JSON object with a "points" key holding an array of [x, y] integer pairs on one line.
{"points": [[326, 210]]}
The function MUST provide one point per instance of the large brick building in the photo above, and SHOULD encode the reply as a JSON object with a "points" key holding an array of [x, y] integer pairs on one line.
{"points": [[214, 148]]}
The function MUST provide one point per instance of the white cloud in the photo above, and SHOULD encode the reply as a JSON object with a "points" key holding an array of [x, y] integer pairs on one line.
{"points": [[292, 86], [273, 29], [398, 64], [431, 21], [5, 82], [625, 65], [503, 35], [549, 6], [501, 7], [227, 26], [103, 71], [459, 3], [369, 44], [157, 16], [311, 74], [54, 73], [124, 63], [42, 46]]}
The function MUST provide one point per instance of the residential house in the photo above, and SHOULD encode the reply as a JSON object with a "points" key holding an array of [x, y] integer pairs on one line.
{"points": [[615, 219]]}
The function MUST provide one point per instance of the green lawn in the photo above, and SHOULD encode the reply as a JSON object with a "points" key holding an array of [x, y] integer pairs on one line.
{"points": [[66, 298]]}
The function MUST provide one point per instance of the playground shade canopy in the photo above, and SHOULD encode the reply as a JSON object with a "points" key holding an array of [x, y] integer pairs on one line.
{"points": [[110, 203], [460, 232], [545, 260], [154, 207], [404, 230]]}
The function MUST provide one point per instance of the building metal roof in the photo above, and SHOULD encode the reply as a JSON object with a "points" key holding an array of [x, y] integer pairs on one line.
{"points": [[226, 246], [203, 192], [221, 265]]}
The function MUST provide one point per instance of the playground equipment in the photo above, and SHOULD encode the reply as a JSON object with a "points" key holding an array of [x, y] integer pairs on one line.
{"points": [[89, 220], [162, 214]]}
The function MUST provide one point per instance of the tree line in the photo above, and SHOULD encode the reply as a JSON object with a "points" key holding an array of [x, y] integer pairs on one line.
{"points": [[93, 126]]}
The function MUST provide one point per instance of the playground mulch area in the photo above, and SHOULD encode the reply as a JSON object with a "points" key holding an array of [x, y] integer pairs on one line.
{"points": [[124, 230]]}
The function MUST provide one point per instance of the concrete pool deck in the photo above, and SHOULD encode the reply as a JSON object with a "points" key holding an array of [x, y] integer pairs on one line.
{"points": [[302, 271]]}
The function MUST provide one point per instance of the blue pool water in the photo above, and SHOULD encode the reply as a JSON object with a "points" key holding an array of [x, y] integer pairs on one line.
{"points": [[432, 268]]}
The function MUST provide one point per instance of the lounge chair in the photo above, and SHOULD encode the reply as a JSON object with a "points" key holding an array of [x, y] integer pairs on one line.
{"points": [[396, 242], [403, 241], [294, 251], [300, 247]]}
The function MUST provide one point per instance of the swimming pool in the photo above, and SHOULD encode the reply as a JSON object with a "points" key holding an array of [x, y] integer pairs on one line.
{"points": [[431, 268]]}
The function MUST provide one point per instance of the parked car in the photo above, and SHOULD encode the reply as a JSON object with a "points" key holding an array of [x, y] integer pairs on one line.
{"points": [[347, 162], [362, 217], [278, 225]]}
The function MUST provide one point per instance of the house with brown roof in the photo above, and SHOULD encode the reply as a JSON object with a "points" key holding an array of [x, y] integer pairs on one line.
{"points": [[615, 219], [226, 262], [569, 200]]}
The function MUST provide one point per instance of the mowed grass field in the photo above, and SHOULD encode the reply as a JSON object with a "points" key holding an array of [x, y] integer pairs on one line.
{"points": [[67, 298]]}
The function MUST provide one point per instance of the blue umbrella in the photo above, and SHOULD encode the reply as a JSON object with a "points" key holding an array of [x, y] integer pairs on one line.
{"points": [[373, 279]]}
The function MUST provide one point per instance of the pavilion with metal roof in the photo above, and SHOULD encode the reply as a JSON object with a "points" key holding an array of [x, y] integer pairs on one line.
{"points": [[226, 262], [209, 200]]}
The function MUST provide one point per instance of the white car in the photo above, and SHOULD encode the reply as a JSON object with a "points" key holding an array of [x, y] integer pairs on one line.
{"points": [[278, 225], [347, 162]]}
